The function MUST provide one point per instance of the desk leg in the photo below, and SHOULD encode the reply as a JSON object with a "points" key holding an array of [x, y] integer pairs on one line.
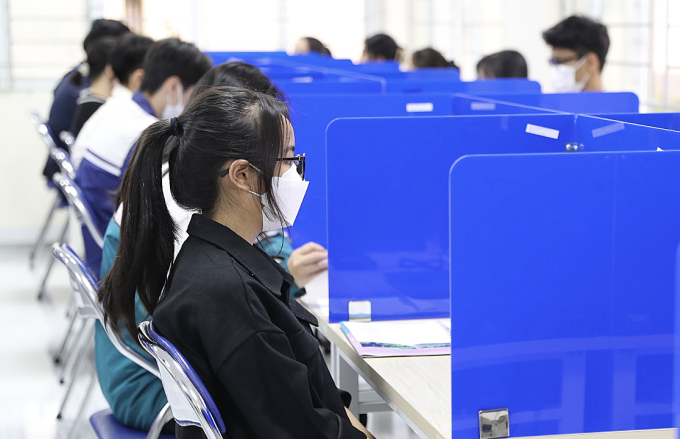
{"points": [[345, 378]]}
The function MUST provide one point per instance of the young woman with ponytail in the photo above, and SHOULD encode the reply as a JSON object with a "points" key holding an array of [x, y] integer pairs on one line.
{"points": [[223, 302]]}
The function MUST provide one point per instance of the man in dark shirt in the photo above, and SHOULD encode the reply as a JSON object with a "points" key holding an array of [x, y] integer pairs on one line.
{"points": [[66, 94]]}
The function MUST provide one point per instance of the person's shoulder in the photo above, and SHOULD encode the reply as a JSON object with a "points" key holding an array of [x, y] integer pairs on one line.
{"points": [[210, 269]]}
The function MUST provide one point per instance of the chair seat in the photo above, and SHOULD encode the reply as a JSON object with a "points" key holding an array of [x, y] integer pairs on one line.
{"points": [[106, 426]]}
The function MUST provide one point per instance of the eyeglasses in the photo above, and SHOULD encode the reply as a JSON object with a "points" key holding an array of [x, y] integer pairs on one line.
{"points": [[560, 61], [298, 161]]}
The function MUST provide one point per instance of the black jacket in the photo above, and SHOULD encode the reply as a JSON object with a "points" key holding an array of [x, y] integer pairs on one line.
{"points": [[227, 309]]}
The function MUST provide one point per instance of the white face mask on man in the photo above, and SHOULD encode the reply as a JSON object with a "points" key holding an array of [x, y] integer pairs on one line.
{"points": [[173, 110], [289, 191], [563, 77]]}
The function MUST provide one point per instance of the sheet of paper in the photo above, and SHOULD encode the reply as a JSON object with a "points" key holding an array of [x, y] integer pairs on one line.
{"points": [[409, 333]]}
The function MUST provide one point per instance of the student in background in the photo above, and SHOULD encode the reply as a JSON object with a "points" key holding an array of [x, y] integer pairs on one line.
{"points": [[66, 94], [307, 45], [126, 60], [225, 303], [171, 70], [504, 64], [101, 78], [429, 58], [381, 47], [579, 50]]}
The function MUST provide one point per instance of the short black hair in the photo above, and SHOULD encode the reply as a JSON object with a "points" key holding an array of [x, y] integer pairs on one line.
{"points": [[98, 57], [173, 57], [128, 55], [317, 46], [580, 34], [381, 45], [103, 27], [504, 64], [430, 58]]}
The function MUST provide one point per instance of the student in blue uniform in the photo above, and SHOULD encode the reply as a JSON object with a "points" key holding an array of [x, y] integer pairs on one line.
{"points": [[134, 395], [225, 304], [171, 70], [126, 61], [101, 80], [66, 94]]}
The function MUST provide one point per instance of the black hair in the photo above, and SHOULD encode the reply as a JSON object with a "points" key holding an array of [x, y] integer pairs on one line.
{"points": [[173, 57], [430, 58], [504, 64], [317, 46], [580, 34], [103, 27], [221, 124], [382, 46], [128, 55], [98, 57], [237, 74]]}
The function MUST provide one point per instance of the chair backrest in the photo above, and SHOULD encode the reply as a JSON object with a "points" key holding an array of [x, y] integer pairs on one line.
{"points": [[60, 156], [67, 137], [190, 401], [75, 199], [87, 303]]}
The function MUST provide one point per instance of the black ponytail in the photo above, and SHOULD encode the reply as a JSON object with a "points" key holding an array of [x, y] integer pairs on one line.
{"points": [[221, 124], [147, 233]]}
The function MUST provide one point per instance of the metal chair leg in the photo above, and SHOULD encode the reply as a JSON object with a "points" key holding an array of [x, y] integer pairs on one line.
{"points": [[83, 405], [68, 392], [41, 291], [41, 237], [162, 418], [65, 340], [78, 347]]}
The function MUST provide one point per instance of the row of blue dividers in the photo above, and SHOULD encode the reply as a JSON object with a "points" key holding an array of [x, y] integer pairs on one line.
{"points": [[387, 227], [311, 114], [562, 270]]}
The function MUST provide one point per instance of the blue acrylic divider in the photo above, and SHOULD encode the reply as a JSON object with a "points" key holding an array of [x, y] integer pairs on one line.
{"points": [[438, 85], [562, 290], [586, 102], [387, 207], [668, 121], [312, 114], [467, 105]]}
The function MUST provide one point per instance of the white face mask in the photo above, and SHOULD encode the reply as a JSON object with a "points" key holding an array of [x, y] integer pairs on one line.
{"points": [[173, 110], [563, 77], [289, 191]]}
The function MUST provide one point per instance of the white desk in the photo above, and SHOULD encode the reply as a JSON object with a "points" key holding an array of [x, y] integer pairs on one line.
{"points": [[417, 388]]}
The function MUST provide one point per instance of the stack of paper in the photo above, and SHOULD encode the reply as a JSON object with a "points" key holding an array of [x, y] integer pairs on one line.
{"points": [[399, 338]]}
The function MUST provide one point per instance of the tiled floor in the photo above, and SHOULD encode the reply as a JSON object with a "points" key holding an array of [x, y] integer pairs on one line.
{"points": [[30, 394]]}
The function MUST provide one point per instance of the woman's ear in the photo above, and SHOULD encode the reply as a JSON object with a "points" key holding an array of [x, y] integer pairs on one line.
{"points": [[243, 176]]}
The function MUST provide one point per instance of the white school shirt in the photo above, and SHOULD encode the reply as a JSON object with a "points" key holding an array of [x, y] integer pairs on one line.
{"points": [[108, 135]]}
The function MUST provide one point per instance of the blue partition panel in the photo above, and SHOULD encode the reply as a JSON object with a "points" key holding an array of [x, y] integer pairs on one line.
{"points": [[311, 115], [467, 105], [586, 102], [668, 121], [562, 285], [598, 134], [435, 85], [328, 85], [387, 214]]}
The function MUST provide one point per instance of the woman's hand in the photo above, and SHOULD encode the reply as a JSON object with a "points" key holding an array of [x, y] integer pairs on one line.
{"points": [[306, 262]]}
